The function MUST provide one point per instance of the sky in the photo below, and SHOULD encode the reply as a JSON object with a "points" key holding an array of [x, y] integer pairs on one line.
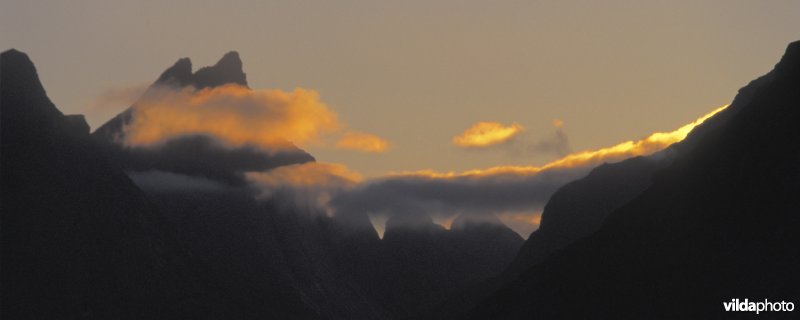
{"points": [[543, 78], [420, 72]]}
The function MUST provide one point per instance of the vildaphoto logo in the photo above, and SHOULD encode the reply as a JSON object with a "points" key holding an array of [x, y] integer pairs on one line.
{"points": [[757, 306]]}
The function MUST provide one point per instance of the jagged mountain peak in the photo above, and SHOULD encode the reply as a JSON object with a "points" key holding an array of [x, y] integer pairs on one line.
{"points": [[228, 70], [789, 65], [179, 73], [18, 74], [230, 60]]}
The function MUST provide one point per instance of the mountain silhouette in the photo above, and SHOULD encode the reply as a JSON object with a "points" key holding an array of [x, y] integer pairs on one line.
{"points": [[574, 211], [228, 70], [435, 264], [717, 223], [79, 239], [579, 208], [266, 256]]}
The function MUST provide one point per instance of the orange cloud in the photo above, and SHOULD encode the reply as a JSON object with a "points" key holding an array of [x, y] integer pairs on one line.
{"points": [[650, 144], [485, 134], [306, 175], [516, 194], [363, 142], [310, 185], [233, 114]]}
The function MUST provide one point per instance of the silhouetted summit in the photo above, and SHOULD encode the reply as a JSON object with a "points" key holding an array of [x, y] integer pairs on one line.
{"points": [[227, 70], [26, 100], [179, 74], [789, 66]]}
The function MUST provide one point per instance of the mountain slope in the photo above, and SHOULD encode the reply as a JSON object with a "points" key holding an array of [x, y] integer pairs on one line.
{"points": [[264, 257], [574, 211], [579, 208], [718, 223], [433, 263], [78, 238]]}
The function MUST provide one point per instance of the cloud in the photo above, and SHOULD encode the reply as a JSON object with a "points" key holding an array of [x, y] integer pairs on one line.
{"points": [[558, 144], [206, 157], [495, 190], [117, 97], [309, 185], [306, 175], [514, 139], [222, 132], [650, 144], [233, 114], [503, 190], [160, 181], [486, 134], [363, 142], [111, 101], [516, 194]]}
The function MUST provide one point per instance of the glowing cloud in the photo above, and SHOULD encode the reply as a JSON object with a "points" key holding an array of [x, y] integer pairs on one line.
{"points": [[311, 185], [516, 194], [650, 144], [363, 142], [306, 175], [233, 114], [485, 134]]}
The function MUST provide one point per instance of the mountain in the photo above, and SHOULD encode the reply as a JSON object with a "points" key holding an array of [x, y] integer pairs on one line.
{"points": [[197, 154], [574, 211], [264, 256], [228, 70], [579, 208], [435, 264], [79, 239], [333, 267], [717, 223]]}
